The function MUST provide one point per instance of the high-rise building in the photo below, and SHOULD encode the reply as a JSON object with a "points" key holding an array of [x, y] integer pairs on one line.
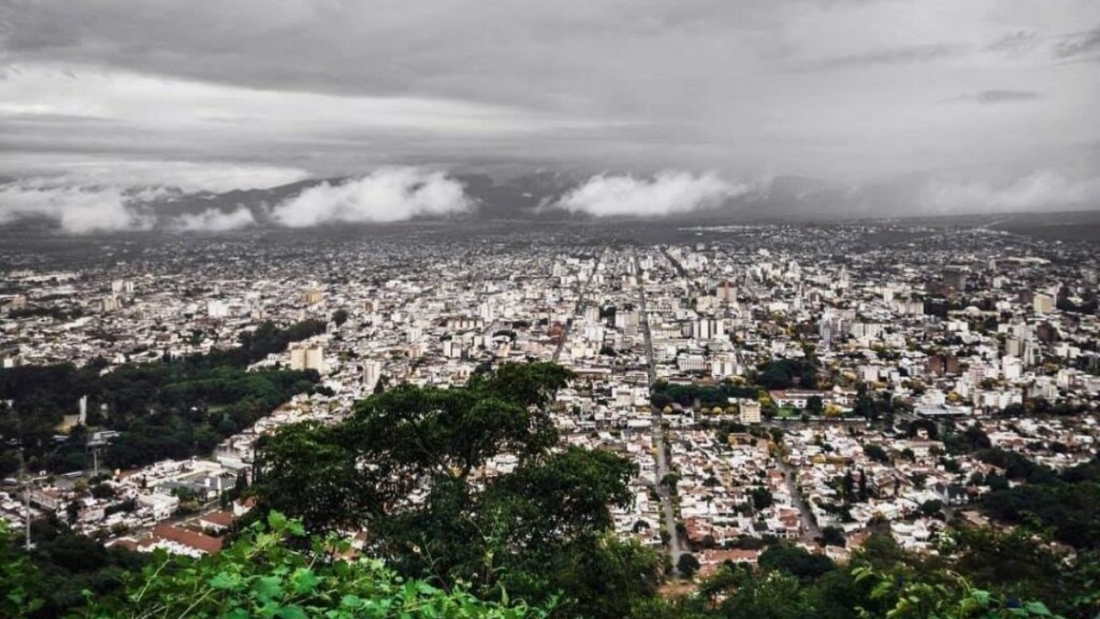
{"points": [[727, 292], [217, 309], [701, 329], [750, 411], [723, 366], [1032, 353], [1043, 303], [452, 349], [954, 277], [591, 313], [372, 373], [308, 357]]}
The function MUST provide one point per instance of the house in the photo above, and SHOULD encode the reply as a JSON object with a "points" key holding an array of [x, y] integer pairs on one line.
{"points": [[183, 540], [711, 561], [951, 494], [217, 521], [47, 498], [162, 505]]}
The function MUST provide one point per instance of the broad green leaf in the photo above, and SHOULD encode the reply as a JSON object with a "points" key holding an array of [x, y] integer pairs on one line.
{"points": [[292, 612], [276, 521], [268, 588], [1038, 609], [304, 580], [351, 601], [226, 581]]}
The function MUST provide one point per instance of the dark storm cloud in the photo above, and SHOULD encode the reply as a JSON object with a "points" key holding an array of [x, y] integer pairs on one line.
{"points": [[1079, 44], [845, 89], [431, 48]]}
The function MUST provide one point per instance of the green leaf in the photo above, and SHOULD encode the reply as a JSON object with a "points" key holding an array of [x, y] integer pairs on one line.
{"points": [[226, 581], [1038, 609], [277, 521], [292, 612], [304, 580], [268, 588], [351, 601]]}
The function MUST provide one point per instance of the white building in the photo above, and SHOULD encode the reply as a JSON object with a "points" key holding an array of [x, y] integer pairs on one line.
{"points": [[750, 411], [308, 357]]}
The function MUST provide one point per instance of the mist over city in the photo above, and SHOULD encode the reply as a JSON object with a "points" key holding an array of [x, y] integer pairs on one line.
{"points": [[600, 309]]}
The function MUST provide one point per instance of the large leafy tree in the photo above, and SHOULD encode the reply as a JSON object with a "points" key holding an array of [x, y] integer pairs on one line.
{"points": [[409, 466]]}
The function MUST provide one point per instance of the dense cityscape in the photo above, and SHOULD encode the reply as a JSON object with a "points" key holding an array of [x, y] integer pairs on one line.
{"points": [[585, 309], [805, 386]]}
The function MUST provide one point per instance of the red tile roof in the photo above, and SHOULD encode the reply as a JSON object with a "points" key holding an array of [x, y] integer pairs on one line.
{"points": [[221, 519], [191, 539]]}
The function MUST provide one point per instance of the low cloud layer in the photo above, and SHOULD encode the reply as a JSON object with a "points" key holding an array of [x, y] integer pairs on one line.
{"points": [[214, 220], [85, 196], [387, 195], [1043, 189], [186, 176], [667, 193], [80, 206], [77, 210]]}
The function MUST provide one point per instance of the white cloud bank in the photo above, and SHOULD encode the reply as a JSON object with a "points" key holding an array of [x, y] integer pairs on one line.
{"points": [[187, 176], [1042, 189], [665, 194], [214, 220], [110, 195], [386, 195], [77, 210]]}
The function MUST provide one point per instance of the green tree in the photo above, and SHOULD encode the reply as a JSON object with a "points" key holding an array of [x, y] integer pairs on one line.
{"points": [[340, 316], [833, 536], [775, 595], [19, 580], [260, 576], [952, 598], [931, 507], [761, 497], [533, 530], [796, 561], [687, 565], [876, 452]]}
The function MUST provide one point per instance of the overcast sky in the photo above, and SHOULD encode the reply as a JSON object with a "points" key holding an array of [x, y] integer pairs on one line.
{"points": [[223, 93]]}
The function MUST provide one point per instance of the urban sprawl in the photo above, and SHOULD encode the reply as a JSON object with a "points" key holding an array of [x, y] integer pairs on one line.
{"points": [[770, 382]]}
